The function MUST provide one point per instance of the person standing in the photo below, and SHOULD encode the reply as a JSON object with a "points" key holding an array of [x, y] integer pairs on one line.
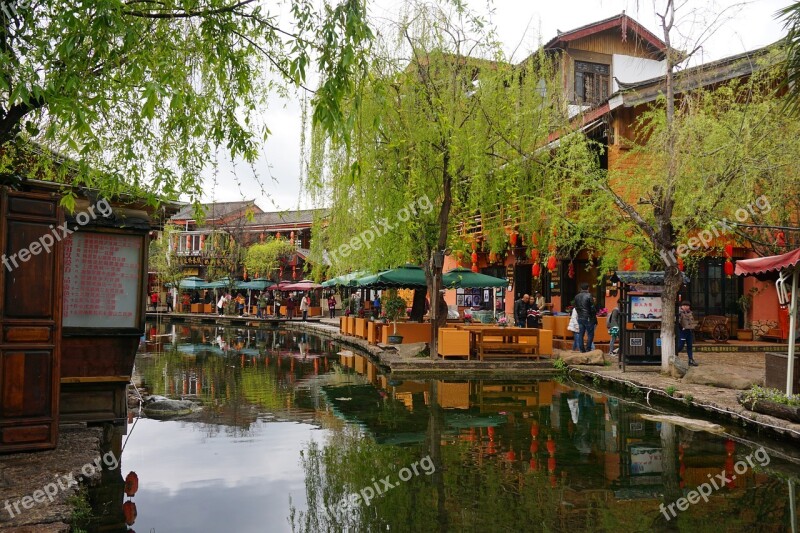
{"points": [[539, 300], [686, 325], [170, 295], [305, 301], [332, 305], [154, 300], [376, 306], [290, 307], [221, 305], [521, 310], [587, 317], [276, 305], [262, 305], [613, 323], [574, 328]]}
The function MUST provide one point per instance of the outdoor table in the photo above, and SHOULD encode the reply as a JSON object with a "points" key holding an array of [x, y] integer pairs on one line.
{"points": [[484, 340]]}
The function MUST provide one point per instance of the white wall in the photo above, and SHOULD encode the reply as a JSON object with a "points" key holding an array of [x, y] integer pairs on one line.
{"points": [[629, 69]]}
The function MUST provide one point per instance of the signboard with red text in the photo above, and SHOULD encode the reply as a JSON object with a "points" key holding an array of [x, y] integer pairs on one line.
{"points": [[102, 276]]}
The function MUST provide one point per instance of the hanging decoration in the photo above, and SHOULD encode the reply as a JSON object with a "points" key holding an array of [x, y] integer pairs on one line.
{"points": [[728, 251], [681, 266], [534, 239], [513, 238], [536, 270], [474, 268], [571, 270], [628, 264], [780, 239], [535, 255], [551, 263], [728, 268]]}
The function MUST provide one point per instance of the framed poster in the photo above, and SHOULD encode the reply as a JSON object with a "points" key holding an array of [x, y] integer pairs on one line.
{"points": [[102, 280], [645, 460], [487, 295], [468, 300], [646, 308], [460, 300]]}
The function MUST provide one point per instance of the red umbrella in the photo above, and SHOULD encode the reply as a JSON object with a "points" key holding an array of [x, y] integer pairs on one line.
{"points": [[304, 285]]}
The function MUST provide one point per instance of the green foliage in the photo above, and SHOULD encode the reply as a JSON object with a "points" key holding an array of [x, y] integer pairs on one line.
{"points": [[560, 364], [81, 514], [688, 398], [437, 122], [142, 94], [671, 390], [162, 260], [791, 16], [757, 393], [262, 258], [394, 306]]}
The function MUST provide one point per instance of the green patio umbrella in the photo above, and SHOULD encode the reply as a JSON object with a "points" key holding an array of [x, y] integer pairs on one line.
{"points": [[258, 284], [192, 283], [404, 277], [222, 283], [464, 278], [343, 280]]}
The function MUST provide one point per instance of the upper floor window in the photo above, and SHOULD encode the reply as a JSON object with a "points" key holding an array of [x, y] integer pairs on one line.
{"points": [[591, 82]]}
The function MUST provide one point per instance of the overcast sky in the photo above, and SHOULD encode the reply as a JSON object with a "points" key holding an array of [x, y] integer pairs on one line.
{"points": [[522, 26]]}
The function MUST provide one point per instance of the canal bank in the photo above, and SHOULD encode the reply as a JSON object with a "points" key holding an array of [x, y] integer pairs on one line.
{"points": [[24, 478], [646, 383]]}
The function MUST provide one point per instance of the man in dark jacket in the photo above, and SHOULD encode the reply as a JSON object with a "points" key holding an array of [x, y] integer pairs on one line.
{"points": [[686, 327], [521, 310], [587, 316]]}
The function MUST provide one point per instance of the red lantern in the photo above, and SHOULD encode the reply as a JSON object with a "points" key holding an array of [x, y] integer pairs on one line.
{"points": [[728, 268], [535, 255], [571, 271], [511, 455], [131, 484], [474, 245], [681, 266], [536, 270], [513, 238], [474, 268], [628, 264], [535, 430], [534, 239], [534, 466], [730, 447], [535, 447], [129, 512], [551, 464], [474, 257], [551, 446], [780, 239], [728, 251], [551, 263]]}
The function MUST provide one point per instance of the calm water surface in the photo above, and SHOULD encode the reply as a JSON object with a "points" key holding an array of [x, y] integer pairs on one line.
{"points": [[291, 432]]}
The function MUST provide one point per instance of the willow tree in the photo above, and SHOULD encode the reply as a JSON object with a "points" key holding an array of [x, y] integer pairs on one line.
{"points": [[430, 139], [140, 95], [700, 167], [263, 258]]}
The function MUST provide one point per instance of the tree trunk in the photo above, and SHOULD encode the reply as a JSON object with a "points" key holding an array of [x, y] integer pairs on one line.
{"points": [[433, 271], [418, 306], [673, 279]]}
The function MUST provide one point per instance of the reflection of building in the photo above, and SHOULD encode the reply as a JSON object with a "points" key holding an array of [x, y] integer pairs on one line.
{"points": [[228, 225]]}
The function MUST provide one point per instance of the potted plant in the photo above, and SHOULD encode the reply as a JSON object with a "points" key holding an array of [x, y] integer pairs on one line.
{"points": [[502, 321], [745, 301], [394, 307], [467, 318]]}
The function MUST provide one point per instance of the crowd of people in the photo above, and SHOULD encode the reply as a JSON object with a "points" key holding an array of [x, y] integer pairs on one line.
{"points": [[237, 303]]}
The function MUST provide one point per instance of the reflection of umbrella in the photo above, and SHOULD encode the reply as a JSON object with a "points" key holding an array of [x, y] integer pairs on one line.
{"points": [[404, 277], [303, 285], [343, 280], [464, 278], [193, 282]]}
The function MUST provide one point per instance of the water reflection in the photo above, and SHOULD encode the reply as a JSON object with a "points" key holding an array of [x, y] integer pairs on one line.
{"points": [[290, 428]]}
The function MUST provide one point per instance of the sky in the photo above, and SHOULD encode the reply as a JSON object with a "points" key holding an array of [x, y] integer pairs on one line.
{"points": [[725, 27]]}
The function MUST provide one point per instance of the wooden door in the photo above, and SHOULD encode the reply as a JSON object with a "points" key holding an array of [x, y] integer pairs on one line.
{"points": [[30, 318]]}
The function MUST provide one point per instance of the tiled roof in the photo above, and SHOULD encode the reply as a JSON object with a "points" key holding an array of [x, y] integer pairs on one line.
{"points": [[215, 210], [278, 218]]}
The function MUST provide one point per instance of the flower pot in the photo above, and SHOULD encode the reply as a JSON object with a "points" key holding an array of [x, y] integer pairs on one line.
{"points": [[395, 339], [744, 334]]}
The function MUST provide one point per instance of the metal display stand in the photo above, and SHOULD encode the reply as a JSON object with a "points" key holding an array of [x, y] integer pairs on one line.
{"points": [[641, 344]]}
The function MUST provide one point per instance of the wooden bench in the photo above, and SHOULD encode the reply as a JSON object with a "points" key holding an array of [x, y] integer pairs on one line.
{"points": [[714, 327]]}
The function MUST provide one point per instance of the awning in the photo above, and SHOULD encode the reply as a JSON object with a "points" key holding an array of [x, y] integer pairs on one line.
{"points": [[763, 265], [464, 278], [641, 277], [404, 277]]}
